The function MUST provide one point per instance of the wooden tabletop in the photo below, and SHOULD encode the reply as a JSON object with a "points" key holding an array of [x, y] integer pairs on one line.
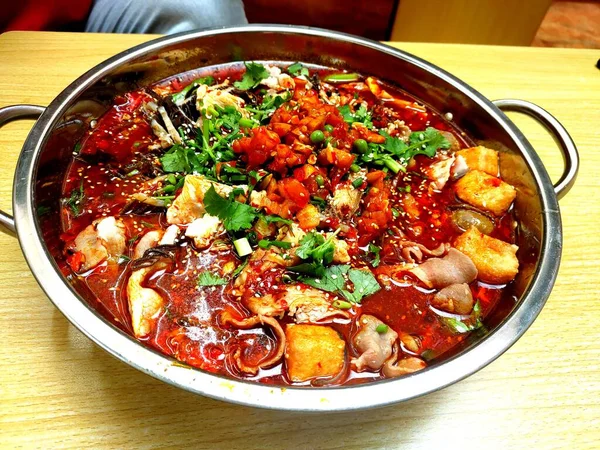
{"points": [[57, 389]]}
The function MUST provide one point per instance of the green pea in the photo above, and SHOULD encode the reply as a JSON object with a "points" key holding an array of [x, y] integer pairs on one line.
{"points": [[328, 128], [354, 168], [361, 146], [317, 136], [320, 181]]}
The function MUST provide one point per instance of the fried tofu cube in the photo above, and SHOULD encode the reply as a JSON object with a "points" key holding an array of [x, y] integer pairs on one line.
{"points": [[496, 260], [481, 158], [313, 351], [485, 192]]}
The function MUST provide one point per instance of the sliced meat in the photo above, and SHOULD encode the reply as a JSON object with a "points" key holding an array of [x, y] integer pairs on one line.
{"points": [[439, 172], [413, 252], [170, 235], [395, 367], [456, 299], [345, 201], [103, 239], [454, 268], [189, 205], [204, 230], [149, 240], [145, 304], [374, 347], [309, 305]]}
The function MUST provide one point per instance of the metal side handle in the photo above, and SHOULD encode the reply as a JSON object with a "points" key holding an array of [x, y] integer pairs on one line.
{"points": [[558, 132], [8, 113]]}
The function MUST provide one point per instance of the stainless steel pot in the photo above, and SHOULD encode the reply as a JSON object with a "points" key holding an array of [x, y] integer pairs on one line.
{"points": [[50, 143]]}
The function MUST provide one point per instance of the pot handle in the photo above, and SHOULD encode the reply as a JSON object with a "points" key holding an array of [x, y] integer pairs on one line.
{"points": [[558, 132], [8, 113]]}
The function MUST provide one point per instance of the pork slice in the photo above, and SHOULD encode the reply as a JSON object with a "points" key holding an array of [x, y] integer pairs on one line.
{"points": [[456, 299], [454, 268], [374, 347]]}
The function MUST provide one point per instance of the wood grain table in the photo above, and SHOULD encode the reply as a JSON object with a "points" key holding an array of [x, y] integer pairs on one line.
{"points": [[57, 389]]}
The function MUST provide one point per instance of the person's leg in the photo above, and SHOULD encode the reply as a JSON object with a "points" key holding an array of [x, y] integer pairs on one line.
{"points": [[163, 16]]}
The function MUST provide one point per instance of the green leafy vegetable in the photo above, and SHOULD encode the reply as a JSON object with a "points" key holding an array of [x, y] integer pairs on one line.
{"points": [[314, 246], [75, 199], [336, 278], [181, 159], [270, 103], [375, 250], [271, 218], [254, 74], [395, 153], [361, 115], [297, 69], [239, 268], [42, 210], [265, 243], [471, 323], [208, 279], [234, 215], [180, 96]]}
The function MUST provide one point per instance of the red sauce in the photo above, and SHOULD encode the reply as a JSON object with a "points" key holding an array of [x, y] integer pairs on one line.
{"points": [[106, 171]]}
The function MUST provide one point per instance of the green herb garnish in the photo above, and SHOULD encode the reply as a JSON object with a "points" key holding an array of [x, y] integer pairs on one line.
{"points": [[208, 279], [254, 74], [179, 97], [297, 69], [234, 215], [265, 243]]}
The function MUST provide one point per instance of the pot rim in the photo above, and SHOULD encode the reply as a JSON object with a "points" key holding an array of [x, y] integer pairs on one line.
{"points": [[343, 398]]}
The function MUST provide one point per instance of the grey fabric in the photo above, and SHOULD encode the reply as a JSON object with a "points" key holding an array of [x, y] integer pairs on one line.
{"points": [[163, 16]]}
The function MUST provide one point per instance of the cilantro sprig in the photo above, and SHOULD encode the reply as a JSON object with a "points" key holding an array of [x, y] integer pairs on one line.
{"points": [[297, 69], [361, 115], [254, 74], [234, 215], [394, 153], [209, 279], [180, 96], [75, 199], [337, 279]]}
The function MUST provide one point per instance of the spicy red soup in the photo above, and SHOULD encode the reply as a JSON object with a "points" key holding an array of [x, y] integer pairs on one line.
{"points": [[288, 225]]}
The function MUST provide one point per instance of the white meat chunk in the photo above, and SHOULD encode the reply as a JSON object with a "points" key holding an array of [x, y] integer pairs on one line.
{"points": [[346, 201], [189, 205], [210, 96], [310, 305], [147, 241], [145, 304], [375, 348], [340, 252], [103, 239], [278, 81], [170, 235], [439, 172], [204, 230]]}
